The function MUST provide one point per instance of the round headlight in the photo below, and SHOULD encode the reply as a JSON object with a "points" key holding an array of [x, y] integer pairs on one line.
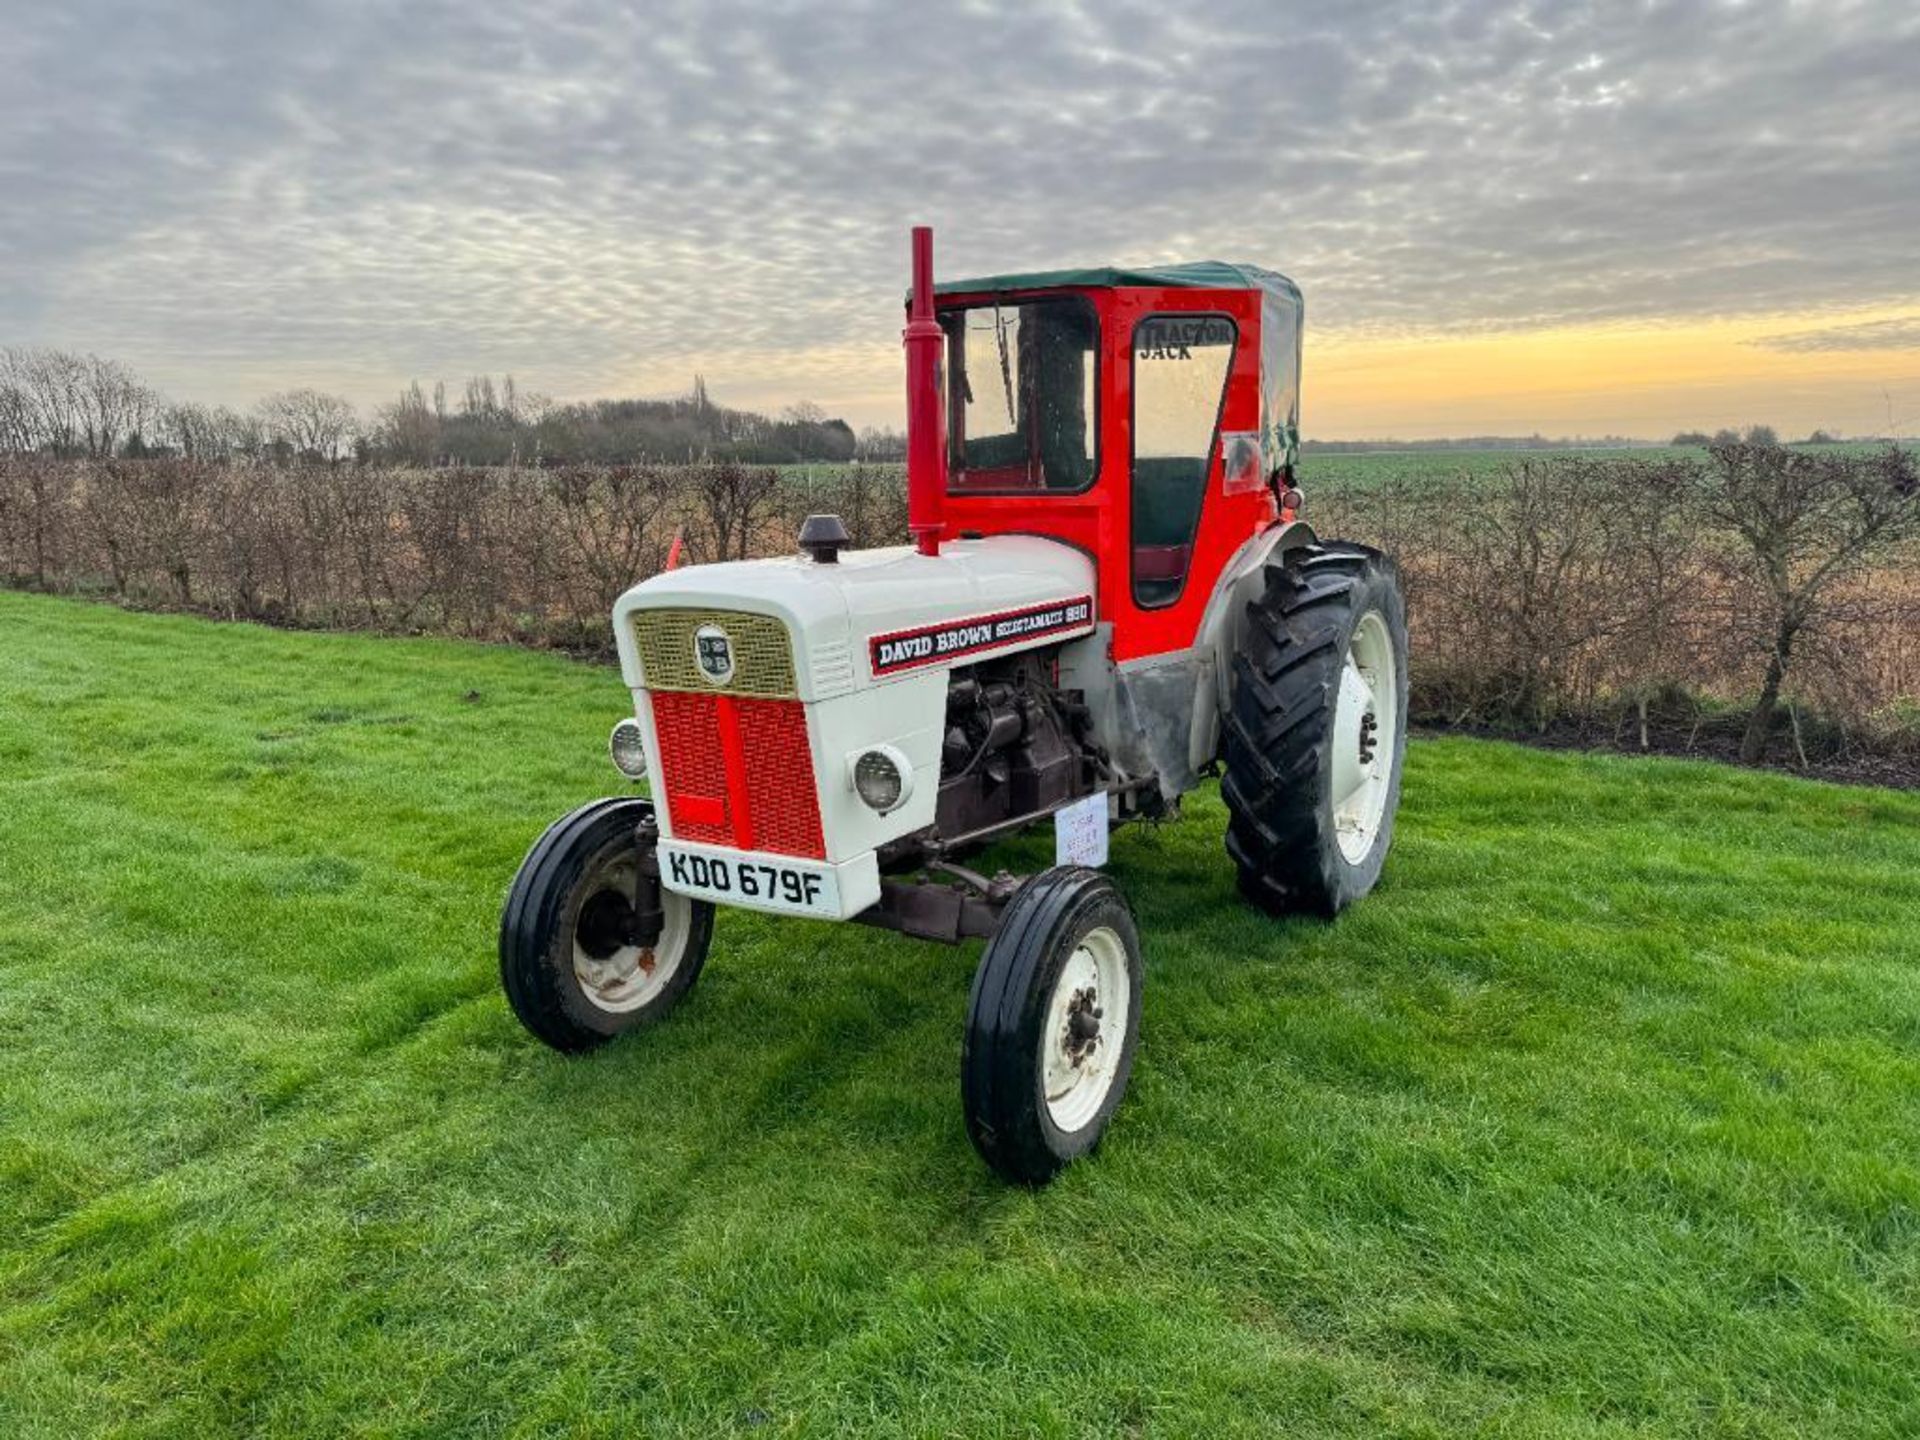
{"points": [[629, 749], [882, 778]]}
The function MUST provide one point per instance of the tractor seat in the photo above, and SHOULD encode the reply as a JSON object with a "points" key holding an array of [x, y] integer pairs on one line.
{"points": [[1161, 563], [1166, 503]]}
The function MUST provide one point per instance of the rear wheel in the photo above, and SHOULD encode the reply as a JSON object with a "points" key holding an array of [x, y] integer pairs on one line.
{"points": [[591, 944], [1051, 1025], [1316, 735]]}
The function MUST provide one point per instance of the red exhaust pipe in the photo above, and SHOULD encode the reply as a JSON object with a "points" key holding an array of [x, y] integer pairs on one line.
{"points": [[926, 411]]}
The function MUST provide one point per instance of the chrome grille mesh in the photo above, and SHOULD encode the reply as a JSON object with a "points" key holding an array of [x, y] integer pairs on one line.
{"points": [[762, 652]]}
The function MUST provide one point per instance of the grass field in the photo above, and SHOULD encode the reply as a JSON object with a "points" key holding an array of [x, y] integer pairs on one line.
{"points": [[1338, 472], [1601, 1117], [1334, 472]]}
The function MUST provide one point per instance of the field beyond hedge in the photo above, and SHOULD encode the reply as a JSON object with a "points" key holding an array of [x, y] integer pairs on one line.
{"points": [[1601, 1117]]}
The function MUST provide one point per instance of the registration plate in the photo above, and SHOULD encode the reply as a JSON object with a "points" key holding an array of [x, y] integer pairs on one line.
{"points": [[759, 882]]}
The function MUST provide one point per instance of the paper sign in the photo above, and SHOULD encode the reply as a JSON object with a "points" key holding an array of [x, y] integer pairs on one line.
{"points": [[1080, 832]]}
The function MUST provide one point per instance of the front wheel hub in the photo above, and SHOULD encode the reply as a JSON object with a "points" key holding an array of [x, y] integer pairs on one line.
{"points": [[619, 968], [1083, 1025], [1077, 1064]]}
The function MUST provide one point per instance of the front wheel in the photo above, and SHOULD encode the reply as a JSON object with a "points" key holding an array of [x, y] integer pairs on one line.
{"points": [[591, 943], [1051, 1025]]}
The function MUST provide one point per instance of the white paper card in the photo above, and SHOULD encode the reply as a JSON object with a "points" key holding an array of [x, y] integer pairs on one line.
{"points": [[1080, 832]]}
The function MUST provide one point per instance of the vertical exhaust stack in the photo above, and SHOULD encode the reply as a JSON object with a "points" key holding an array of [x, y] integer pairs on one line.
{"points": [[926, 417]]}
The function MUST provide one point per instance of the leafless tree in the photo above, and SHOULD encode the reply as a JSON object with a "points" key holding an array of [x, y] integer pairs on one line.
{"points": [[19, 423], [71, 404], [1805, 523], [876, 444], [409, 429], [309, 423], [115, 406], [610, 531], [47, 396], [36, 518], [207, 432], [735, 502]]}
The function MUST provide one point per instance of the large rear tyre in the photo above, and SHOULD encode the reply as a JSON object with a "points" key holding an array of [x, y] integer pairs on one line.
{"points": [[1317, 732], [1051, 1025], [580, 961]]}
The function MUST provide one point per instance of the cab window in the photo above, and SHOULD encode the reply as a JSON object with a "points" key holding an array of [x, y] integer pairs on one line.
{"points": [[1021, 380], [1180, 367]]}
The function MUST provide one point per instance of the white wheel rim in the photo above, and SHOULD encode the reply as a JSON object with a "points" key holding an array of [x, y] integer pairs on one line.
{"points": [[1077, 1068], [1366, 735], [629, 977]]}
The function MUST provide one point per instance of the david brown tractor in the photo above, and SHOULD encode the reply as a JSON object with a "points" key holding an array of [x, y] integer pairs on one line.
{"points": [[1107, 597]]}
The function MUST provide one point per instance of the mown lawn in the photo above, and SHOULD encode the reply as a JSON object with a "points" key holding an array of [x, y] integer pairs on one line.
{"points": [[1602, 1117]]}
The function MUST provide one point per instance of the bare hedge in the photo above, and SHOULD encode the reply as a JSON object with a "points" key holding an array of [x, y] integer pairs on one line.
{"points": [[517, 554], [1620, 595], [1610, 593]]}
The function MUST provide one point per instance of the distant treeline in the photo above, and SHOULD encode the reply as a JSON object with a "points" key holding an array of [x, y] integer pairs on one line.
{"points": [[53, 402], [72, 406]]}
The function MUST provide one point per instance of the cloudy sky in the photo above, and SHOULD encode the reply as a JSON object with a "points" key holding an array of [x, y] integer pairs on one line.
{"points": [[1505, 216]]}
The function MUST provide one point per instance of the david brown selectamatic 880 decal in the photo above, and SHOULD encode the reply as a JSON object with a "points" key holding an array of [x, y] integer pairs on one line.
{"points": [[904, 649]]}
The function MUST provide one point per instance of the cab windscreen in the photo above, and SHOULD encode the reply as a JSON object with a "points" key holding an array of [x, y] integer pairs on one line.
{"points": [[1021, 386]]}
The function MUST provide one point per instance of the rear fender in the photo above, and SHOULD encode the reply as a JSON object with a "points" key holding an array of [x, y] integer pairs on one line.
{"points": [[1222, 626]]}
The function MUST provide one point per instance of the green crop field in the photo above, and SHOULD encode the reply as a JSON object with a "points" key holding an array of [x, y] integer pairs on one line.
{"points": [[1324, 472], [1331, 472], [1600, 1118]]}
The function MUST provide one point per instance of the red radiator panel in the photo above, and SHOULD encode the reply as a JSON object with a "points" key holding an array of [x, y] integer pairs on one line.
{"points": [[737, 770], [693, 779]]}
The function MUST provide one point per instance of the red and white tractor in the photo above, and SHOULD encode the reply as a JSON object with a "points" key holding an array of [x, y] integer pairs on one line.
{"points": [[1108, 596]]}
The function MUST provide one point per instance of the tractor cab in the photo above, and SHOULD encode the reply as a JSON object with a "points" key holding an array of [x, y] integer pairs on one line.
{"points": [[1147, 416]]}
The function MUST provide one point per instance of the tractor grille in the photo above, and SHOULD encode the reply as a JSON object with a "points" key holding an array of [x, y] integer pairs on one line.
{"points": [[762, 652], [738, 771], [736, 768]]}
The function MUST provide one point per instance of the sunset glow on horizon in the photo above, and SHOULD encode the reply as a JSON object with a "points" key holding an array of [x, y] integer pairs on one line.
{"points": [[1643, 380]]}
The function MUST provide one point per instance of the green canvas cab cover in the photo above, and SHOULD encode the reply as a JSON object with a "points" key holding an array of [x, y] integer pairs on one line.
{"points": [[1281, 314]]}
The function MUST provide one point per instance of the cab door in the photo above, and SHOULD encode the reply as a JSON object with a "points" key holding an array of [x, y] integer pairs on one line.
{"points": [[1188, 403]]}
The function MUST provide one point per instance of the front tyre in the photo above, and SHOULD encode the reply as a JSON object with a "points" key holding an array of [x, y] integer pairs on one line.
{"points": [[1317, 732], [1051, 1024], [591, 944]]}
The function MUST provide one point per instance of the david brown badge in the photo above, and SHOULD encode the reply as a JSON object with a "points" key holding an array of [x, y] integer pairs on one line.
{"points": [[713, 653]]}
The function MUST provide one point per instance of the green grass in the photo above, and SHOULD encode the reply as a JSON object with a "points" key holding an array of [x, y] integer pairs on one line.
{"points": [[1599, 1118]]}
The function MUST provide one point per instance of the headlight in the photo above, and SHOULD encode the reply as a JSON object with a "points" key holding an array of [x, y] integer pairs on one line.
{"points": [[629, 749], [882, 778]]}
